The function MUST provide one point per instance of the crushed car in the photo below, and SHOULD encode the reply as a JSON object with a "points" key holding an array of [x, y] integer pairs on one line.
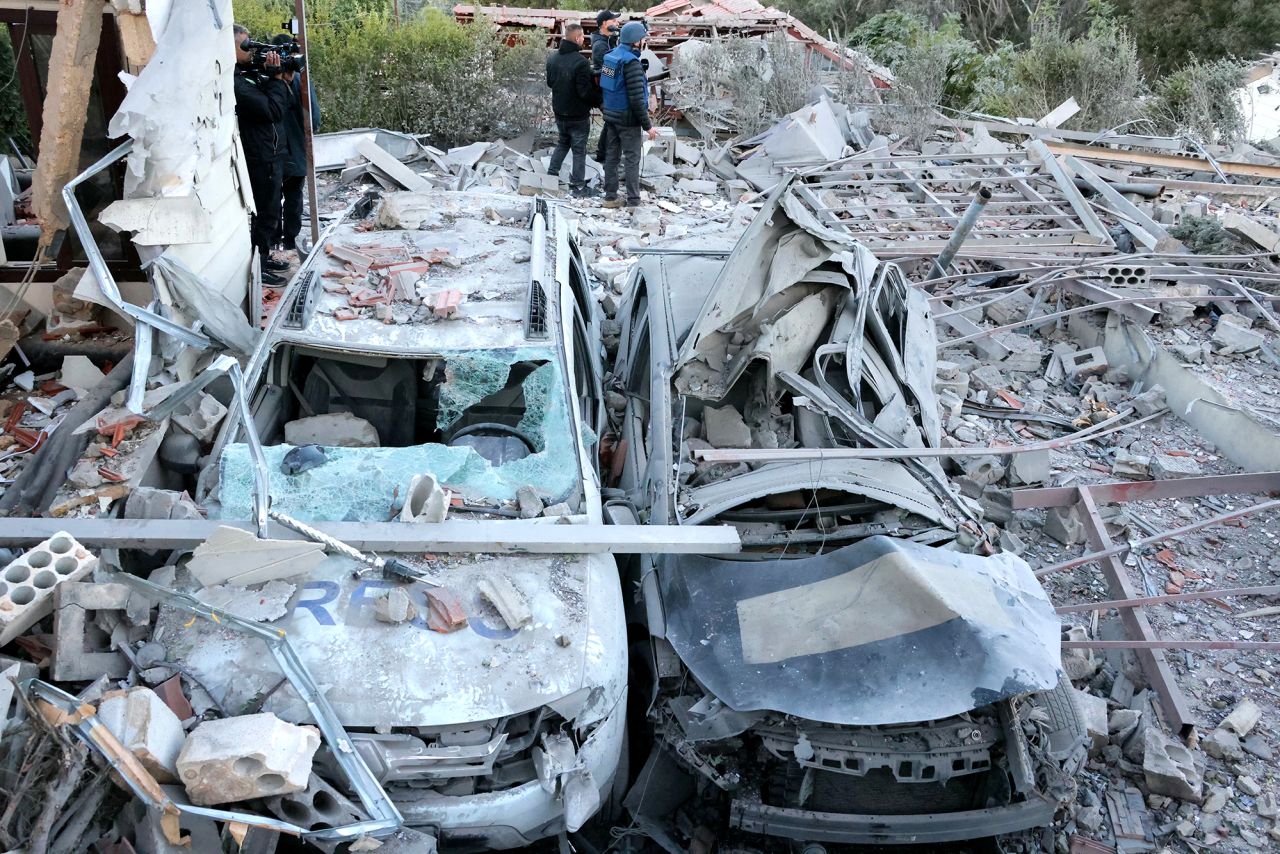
{"points": [[439, 366], [869, 670]]}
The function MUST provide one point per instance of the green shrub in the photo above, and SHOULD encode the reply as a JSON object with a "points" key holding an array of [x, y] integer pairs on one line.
{"points": [[1198, 100], [426, 75], [1099, 69], [1205, 235]]}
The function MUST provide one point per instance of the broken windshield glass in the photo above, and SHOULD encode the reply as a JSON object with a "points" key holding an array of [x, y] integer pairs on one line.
{"points": [[502, 422]]}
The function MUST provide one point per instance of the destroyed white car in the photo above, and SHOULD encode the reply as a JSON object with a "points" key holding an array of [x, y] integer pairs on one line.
{"points": [[867, 671], [445, 365]]}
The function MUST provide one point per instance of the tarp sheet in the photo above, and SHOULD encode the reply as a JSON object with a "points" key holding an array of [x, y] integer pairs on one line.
{"points": [[881, 632]]}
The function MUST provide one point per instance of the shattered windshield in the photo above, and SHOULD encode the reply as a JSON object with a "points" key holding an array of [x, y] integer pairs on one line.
{"points": [[483, 423]]}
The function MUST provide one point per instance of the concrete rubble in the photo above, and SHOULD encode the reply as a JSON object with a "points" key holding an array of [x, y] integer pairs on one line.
{"points": [[252, 756], [1081, 385]]}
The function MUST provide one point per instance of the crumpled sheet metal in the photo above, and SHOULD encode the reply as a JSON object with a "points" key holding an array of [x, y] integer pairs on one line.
{"points": [[879, 480], [786, 278], [884, 631], [179, 128]]}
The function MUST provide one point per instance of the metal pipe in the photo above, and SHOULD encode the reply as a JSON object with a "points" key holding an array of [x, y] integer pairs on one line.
{"points": [[1171, 644], [958, 237], [300, 13], [1168, 597], [1121, 548]]}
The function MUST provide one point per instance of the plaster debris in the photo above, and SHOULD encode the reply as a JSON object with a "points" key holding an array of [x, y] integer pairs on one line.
{"points": [[234, 556], [510, 603]]}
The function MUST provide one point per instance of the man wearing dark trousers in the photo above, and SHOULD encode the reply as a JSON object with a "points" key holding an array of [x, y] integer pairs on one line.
{"points": [[262, 100], [573, 94], [626, 113], [295, 161], [603, 40]]}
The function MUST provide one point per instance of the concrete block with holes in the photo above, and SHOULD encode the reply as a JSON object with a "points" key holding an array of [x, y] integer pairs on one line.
{"points": [[27, 584], [318, 805], [251, 756]]}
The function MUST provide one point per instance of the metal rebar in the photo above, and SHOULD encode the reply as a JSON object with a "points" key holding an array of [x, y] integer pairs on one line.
{"points": [[1168, 597], [1121, 548], [1170, 644]]}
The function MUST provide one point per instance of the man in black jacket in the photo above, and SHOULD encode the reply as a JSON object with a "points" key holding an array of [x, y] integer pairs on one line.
{"points": [[626, 113], [262, 99], [603, 40], [295, 159], [573, 94]]}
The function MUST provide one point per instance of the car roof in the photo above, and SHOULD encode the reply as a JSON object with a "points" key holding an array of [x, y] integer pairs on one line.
{"points": [[479, 244]]}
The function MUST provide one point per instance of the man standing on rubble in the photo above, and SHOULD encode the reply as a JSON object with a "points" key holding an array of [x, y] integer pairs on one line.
{"points": [[262, 99], [626, 113], [573, 94], [295, 160], [603, 40]]}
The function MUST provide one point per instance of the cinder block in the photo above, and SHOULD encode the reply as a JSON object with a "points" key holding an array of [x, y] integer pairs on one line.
{"points": [[252, 756], [73, 660], [27, 584], [142, 722], [1085, 363], [318, 805]]}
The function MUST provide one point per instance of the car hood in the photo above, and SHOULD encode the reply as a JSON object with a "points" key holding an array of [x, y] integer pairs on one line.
{"points": [[885, 631], [375, 674]]}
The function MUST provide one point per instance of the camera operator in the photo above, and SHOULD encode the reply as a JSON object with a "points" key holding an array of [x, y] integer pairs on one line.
{"points": [[295, 161], [262, 100]]}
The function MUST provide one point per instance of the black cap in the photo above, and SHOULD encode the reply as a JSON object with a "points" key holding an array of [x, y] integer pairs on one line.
{"points": [[605, 15]]}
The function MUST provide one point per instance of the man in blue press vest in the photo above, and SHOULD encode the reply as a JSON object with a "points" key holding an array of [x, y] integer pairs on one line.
{"points": [[626, 113]]}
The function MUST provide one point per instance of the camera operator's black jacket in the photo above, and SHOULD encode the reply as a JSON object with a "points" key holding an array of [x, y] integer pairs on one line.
{"points": [[573, 88], [261, 105], [295, 161]]}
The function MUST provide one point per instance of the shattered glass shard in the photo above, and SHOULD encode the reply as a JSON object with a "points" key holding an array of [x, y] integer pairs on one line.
{"points": [[369, 484], [469, 379]]}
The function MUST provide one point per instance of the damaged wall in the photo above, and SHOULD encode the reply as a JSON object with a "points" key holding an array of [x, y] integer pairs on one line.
{"points": [[186, 148]]}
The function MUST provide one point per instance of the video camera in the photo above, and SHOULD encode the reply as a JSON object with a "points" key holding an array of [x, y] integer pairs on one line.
{"points": [[291, 58]]}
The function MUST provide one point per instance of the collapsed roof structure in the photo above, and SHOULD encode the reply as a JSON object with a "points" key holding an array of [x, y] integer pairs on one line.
{"points": [[677, 22], [1060, 354]]}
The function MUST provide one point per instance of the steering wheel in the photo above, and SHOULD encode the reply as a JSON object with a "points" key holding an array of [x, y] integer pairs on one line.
{"points": [[491, 427]]}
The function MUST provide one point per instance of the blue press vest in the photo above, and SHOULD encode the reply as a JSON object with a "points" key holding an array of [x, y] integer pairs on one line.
{"points": [[613, 81]]}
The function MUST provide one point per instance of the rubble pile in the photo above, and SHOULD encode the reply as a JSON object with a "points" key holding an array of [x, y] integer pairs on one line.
{"points": [[1029, 378]]}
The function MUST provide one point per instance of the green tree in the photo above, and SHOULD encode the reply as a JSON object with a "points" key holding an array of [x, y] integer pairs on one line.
{"points": [[425, 74], [13, 116], [1171, 33], [1099, 69]]}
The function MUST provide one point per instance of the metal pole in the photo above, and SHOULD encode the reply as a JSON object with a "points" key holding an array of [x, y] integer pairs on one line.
{"points": [[1121, 548], [1140, 602], [958, 237], [300, 13]]}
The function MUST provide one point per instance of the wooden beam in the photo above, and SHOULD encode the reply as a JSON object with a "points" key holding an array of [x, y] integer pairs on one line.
{"points": [[71, 73], [462, 535], [1164, 161]]}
